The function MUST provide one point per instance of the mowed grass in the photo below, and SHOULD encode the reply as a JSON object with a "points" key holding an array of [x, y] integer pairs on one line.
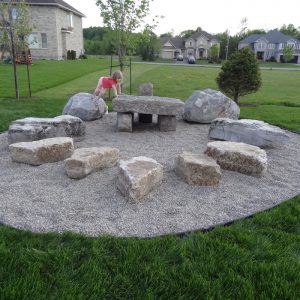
{"points": [[53, 82], [255, 258]]}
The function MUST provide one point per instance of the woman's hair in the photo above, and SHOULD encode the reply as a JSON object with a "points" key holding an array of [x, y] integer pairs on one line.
{"points": [[117, 75]]}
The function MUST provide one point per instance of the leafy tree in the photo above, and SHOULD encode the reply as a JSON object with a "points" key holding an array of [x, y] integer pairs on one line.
{"points": [[167, 34], [186, 33], [288, 53], [123, 17], [148, 45], [214, 53], [98, 40], [290, 30], [14, 24], [239, 75]]}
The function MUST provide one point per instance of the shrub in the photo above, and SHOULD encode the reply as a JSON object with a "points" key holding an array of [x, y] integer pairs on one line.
{"points": [[239, 75], [71, 54]]}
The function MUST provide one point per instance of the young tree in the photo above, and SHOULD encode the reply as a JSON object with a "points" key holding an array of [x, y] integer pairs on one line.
{"points": [[214, 52], [148, 45], [239, 75], [288, 53], [123, 17], [14, 24]]}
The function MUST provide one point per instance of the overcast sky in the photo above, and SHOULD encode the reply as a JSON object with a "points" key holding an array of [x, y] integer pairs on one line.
{"points": [[213, 16]]}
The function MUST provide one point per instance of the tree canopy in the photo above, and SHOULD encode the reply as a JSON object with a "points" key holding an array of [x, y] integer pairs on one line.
{"points": [[123, 17]]}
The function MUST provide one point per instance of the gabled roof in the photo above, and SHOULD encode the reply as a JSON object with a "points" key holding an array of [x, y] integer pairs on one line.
{"points": [[273, 36], [251, 38], [197, 34], [59, 3], [177, 42]]}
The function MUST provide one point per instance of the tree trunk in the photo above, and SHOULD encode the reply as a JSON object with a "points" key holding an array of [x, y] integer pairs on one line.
{"points": [[14, 66]]}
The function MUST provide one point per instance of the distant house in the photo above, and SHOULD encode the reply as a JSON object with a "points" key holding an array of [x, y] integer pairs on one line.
{"points": [[198, 45], [271, 45], [56, 28]]}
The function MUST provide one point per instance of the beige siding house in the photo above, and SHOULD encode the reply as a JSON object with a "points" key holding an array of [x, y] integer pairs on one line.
{"points": [[56, 28], [198, 45]]}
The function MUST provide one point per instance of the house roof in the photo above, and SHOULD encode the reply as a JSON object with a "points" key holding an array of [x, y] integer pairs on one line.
{"points": [[272, 36], [177, 42], [59, 3], [197, 34]]}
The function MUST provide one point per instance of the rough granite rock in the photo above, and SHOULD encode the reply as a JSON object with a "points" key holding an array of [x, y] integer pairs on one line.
{"points": [[239, 157], [148, 105], [87, 160], [138, 176], [33, 129], [253, 132], [197, 168], [124, 122], [146, 89], [205, 106], [42, 151], [85, 106]]}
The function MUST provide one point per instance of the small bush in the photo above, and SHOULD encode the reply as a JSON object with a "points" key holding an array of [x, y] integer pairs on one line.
{"points": [[71, 54]]}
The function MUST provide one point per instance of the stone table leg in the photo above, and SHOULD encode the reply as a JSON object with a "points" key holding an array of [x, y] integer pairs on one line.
{"points": [[166, 123], [124, 121], [145, 118]]}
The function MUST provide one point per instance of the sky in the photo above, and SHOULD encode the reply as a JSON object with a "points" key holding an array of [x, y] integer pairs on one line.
{"points": [[213, 16]]}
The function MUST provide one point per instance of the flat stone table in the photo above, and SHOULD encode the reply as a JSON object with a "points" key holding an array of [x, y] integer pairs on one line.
{"points": [[166, 108]]}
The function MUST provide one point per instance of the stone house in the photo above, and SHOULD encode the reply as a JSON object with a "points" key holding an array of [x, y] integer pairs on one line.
{"points": [[271, 45], [198, 45], [56, 28]]}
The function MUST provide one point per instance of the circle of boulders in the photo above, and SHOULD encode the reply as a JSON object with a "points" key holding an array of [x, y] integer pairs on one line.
{"points": [[36, 141]]}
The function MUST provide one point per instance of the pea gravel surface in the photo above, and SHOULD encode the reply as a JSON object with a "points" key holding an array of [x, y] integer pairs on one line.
{"points": [[44, 199]]}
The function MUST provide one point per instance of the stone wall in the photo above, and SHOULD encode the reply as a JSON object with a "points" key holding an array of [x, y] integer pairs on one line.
{"points": [[51, 20]]}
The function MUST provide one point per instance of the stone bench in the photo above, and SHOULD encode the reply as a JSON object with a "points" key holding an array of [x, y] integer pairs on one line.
{"points": [[239, 157], [166, 108], [138, 176], [197, 168], [33, 129], [43, 151], [87, 160]]}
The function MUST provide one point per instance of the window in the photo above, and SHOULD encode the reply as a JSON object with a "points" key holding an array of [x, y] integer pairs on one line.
{"points": [[190, 43], [71, 24], [37, 40], [14, 13]]}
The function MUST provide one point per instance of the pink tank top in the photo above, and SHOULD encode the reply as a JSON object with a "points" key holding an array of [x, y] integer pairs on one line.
{"points": [[108, 82]]}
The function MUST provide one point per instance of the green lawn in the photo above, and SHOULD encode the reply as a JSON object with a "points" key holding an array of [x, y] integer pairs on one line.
{"points": [[255, 258]]}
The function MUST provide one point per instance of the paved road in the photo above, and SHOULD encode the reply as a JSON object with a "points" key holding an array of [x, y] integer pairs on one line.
{"points": [[182, 63]]}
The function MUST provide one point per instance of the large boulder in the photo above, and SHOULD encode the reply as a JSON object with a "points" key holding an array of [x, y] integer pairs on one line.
{"points": [[253, 132], [138, 176], [85, 106], [205, 106], [44, 151], [33, 129], [239, 157]]}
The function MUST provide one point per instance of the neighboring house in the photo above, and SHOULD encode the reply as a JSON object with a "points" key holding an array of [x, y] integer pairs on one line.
{"points": [[56, 28], [198, 45], [271, 45]]}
